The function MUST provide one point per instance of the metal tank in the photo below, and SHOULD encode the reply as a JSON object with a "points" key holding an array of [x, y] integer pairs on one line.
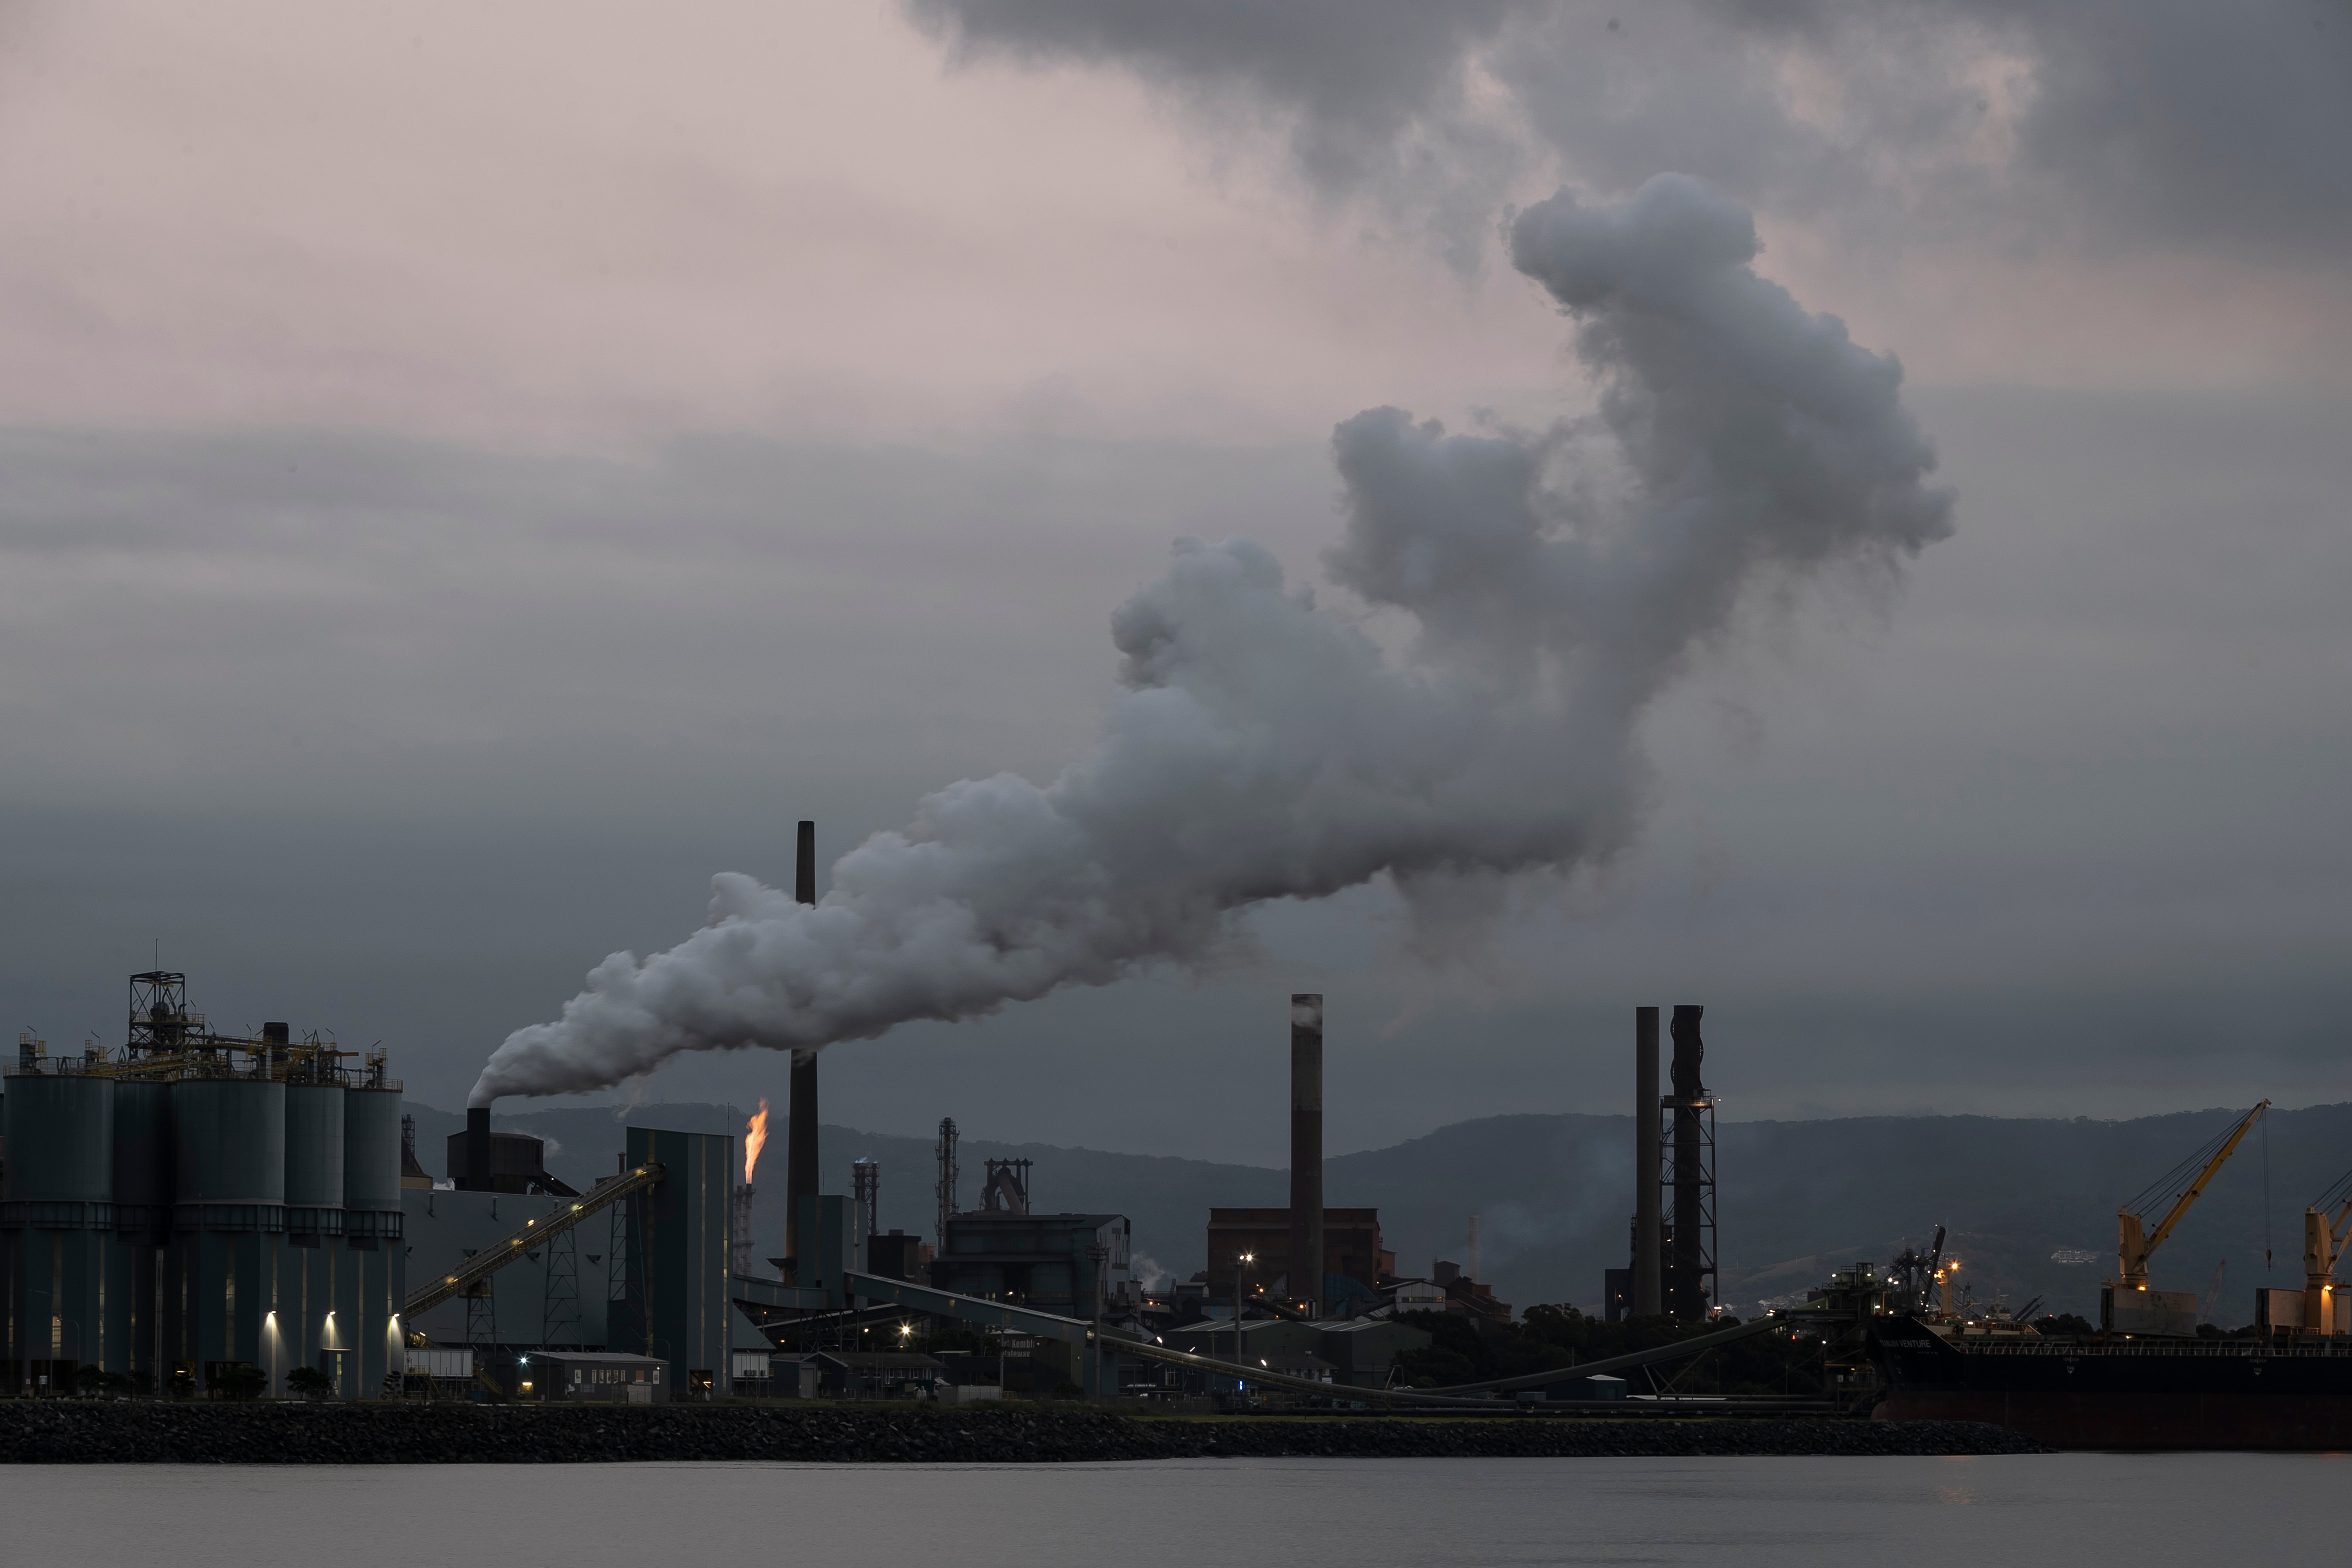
{"points": [[377, 1255], [230, 1141], [371, 1150], [142, 1155], [314, 1145], [60, 1133]]}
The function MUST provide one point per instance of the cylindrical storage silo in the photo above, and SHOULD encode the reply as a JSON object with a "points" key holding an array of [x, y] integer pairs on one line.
{"points": [[371, 1150], [314, 1145], [60, 1132], [142, 1155], [230, 1138]]}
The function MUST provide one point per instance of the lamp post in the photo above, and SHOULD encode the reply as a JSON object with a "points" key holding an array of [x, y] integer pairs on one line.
{"points": [[1241, 1294], [1095, 1256]]}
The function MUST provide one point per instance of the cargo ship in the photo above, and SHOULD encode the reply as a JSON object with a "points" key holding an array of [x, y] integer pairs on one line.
{"points": [[2120, 1392], [2152, 1377]]}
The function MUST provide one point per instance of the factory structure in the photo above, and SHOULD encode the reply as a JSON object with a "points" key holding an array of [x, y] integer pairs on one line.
{"points": [[199, 1212], [203, 1213], [1672, 1272]]}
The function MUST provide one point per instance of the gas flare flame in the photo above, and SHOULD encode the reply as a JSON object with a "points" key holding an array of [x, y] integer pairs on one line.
{"points": [[755, 1138]]}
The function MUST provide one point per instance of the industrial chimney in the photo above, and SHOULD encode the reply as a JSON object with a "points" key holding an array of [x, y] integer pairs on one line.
{"points": [[1693, 1250], [800, 1129], [1649, 1268], [476, 1177], [1307, 1150]]}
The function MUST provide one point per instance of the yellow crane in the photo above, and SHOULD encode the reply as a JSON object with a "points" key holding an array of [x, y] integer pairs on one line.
{"points": [[2134, 1242]]}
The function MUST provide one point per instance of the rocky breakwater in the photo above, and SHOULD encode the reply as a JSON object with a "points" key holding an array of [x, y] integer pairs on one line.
{"points": [[138, 1432]]}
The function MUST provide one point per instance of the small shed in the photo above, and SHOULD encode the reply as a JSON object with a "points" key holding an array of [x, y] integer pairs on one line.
{"points": [[877, 1374], [591, 1376], [771, 1374]]}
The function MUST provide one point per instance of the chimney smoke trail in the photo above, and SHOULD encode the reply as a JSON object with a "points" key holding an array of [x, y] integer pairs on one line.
{"points": [[1559, 581]]}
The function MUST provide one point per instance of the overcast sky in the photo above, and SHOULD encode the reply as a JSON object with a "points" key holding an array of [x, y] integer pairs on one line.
{"points": [[470, 473]]}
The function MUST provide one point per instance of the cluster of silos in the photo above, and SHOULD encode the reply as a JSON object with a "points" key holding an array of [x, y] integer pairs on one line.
{"points": [[177, 1222]]}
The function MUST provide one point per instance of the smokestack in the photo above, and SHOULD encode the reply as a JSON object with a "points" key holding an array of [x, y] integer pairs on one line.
{"points": [[1648, 1266], [477, 1176], [1690, 1291], [1306, 1149], [800, 1131], [866, 1195], [946, 1190], [1473, 1249]]}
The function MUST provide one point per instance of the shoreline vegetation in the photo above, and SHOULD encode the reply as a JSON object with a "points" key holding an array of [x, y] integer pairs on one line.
{"points": [[145, 1432]]}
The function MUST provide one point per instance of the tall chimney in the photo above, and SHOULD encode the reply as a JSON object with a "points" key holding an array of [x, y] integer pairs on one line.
{"points": [[1690, 1292], [477, 1176], [1648, 1266], [800, 1128], [1306, 1149]]}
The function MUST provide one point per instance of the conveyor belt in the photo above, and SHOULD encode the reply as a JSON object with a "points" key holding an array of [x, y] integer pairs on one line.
{"points": [[1076, 1331], [490, 1259]]}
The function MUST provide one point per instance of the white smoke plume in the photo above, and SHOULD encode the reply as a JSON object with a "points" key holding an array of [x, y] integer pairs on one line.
{"points": [[1263, 749]]}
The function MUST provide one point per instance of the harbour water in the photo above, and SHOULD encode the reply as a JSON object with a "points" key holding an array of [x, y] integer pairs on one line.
{"points": [[2186, 1509]]}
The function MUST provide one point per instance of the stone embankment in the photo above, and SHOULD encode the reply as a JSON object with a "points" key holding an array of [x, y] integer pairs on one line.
{"points": [[143, 1432]]}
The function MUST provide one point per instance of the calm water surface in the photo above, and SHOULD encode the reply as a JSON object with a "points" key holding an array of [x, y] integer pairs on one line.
{"points": [[2086, 1509]]}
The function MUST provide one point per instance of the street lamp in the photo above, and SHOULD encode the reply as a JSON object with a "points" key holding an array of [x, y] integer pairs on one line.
{"points": [[1095, 1256], [1241, 1294]]}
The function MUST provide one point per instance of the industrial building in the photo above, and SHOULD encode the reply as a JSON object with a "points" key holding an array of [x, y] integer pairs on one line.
{"points": [[199, 1210], [1354, 1261], [1065, 1263], [640, 1265], [205, 1213], [591, 1377]]}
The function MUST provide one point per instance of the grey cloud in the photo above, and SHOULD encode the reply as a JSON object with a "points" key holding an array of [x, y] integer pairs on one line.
{"points": [[1368, 96], [2214, 132]]}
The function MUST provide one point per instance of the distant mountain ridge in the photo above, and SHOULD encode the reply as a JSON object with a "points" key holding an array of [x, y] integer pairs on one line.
{"points": [[2031, 1203]]}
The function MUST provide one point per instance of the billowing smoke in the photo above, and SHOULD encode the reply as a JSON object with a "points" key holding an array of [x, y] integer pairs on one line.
{"points": [[1263, 749]]}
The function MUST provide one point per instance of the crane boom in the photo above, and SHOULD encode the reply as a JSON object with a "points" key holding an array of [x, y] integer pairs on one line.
{"points": [[2323, 1247], [2133, 1244]]}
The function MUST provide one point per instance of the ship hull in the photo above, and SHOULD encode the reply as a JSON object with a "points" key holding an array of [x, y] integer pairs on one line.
{"points": [[2132, 1394], [2145, 1421]]}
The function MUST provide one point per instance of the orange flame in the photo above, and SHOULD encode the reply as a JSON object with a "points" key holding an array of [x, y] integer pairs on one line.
{"points": [[755, 1138]]}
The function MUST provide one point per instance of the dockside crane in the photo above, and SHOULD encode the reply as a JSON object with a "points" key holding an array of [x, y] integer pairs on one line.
{"points": [[2135, 1241], [2323, 1247]]}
